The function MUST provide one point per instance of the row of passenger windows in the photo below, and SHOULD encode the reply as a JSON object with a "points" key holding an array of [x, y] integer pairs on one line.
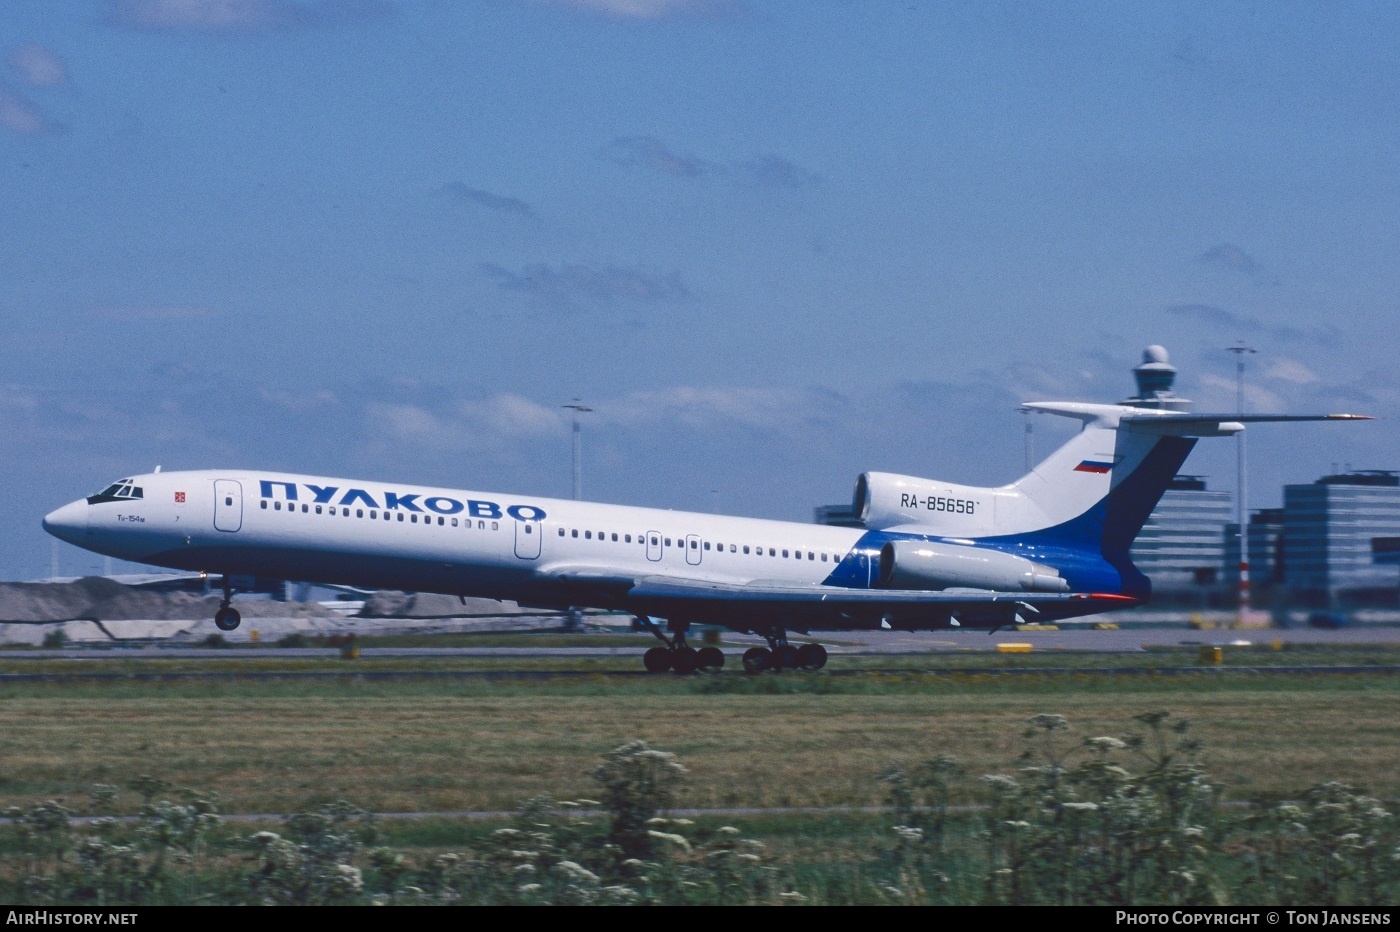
{"points": [[656, 541], [388, 515]]}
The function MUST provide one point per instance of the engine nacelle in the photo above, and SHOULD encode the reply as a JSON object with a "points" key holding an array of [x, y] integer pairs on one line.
{"points": [[886, 500], [912, 564]]}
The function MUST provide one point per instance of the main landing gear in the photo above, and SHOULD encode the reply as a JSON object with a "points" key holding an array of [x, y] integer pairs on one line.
{"points": [[779, 655], [227, 617], [677, 655]]}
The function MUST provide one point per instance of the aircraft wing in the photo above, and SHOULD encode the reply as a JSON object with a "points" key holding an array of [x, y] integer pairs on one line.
{"points": [[757, 604]]}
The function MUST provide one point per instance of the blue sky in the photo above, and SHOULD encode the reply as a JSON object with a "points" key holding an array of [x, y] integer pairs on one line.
{"points": [[772, 244]]}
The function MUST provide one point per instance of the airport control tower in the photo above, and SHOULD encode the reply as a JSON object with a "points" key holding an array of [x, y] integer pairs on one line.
{"points": [[1182, 546], [1154, 383]]}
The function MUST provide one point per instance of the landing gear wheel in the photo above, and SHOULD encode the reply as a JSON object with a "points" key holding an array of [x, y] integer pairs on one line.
{"points": [[711, 659], [785, 658], [811, 657], [226, 619], [685, 660], [757, 659], [657, 660]]}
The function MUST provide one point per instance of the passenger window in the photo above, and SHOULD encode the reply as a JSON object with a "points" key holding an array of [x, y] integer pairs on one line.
{"points": [[264, 504], [587, 535], [400, 514], [746, 548], [695, 545], [561, 532], [442, 521], [305, 509], [707, 545], [614, 537], [276, 506], [412, 519], [529, 528], [359, 512], [811, 555], [668, 542], [785, 553], [734, 549], [628, 538], [575, 532], [772, 552], [495, 526], [454, 520], [481, 526], [823, 558]]}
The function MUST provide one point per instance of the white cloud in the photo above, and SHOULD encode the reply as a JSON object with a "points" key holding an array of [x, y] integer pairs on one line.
{"points": [[201, 15], [639, 9], [1290, 370], [563, 287], [157, 313], [298, 401], [20, 116], [37, 66], [1219, 395], [237, 17], [702, 407], [493, 425]]}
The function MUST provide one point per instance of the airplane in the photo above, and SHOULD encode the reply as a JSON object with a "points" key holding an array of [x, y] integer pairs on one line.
{"points": [[1049, 546]]}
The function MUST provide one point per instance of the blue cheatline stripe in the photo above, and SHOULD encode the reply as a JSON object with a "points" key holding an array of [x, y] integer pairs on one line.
{"points": [[1090, 550]]}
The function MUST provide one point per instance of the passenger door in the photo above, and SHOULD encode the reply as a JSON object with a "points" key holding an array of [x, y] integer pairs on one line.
{"points": [[228, 505], [692, 549], [529, 538]]}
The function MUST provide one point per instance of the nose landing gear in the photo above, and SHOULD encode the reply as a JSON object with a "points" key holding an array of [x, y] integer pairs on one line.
{"points": [[227, 617]]}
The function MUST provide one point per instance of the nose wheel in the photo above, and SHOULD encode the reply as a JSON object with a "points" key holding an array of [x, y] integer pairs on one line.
{"points": [[227, 617]]}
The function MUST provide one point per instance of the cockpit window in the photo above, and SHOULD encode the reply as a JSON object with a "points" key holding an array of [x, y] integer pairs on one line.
{"points": [[121, 491]]}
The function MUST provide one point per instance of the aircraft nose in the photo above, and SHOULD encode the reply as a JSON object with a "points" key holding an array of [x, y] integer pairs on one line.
{"points": [[68, 523]]}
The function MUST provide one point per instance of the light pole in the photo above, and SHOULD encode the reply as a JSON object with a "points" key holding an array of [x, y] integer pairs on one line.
{"points": [[1241, 349], [574, 620], [578, 447], [1030, 441]]}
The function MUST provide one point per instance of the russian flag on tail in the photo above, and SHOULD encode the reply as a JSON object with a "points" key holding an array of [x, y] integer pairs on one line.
{"points": [[1093, 466]]}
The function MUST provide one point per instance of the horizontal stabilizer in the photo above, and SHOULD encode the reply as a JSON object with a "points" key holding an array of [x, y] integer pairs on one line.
{"points": [[1170, 423]]}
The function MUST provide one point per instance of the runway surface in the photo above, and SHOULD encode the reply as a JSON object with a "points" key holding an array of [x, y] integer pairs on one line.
{"points": [[866, 643]]}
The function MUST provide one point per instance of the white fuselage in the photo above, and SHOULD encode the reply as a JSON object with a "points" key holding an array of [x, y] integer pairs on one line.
{"points": [[447, 540]]}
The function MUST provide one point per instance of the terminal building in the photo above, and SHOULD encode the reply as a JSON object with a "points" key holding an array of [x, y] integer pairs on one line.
{"points": [[1265, 535], [1182, 546], [1336, 532]]}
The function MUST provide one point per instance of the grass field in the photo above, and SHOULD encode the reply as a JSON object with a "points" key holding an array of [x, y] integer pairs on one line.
{"points": [[453, 745], [433, 745]]}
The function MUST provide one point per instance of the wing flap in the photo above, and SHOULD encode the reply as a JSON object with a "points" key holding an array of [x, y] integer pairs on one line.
{"points": [[833, 606]]}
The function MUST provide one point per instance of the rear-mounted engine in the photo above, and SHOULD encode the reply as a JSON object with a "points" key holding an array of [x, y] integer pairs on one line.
{"points": [[911, 564]]}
